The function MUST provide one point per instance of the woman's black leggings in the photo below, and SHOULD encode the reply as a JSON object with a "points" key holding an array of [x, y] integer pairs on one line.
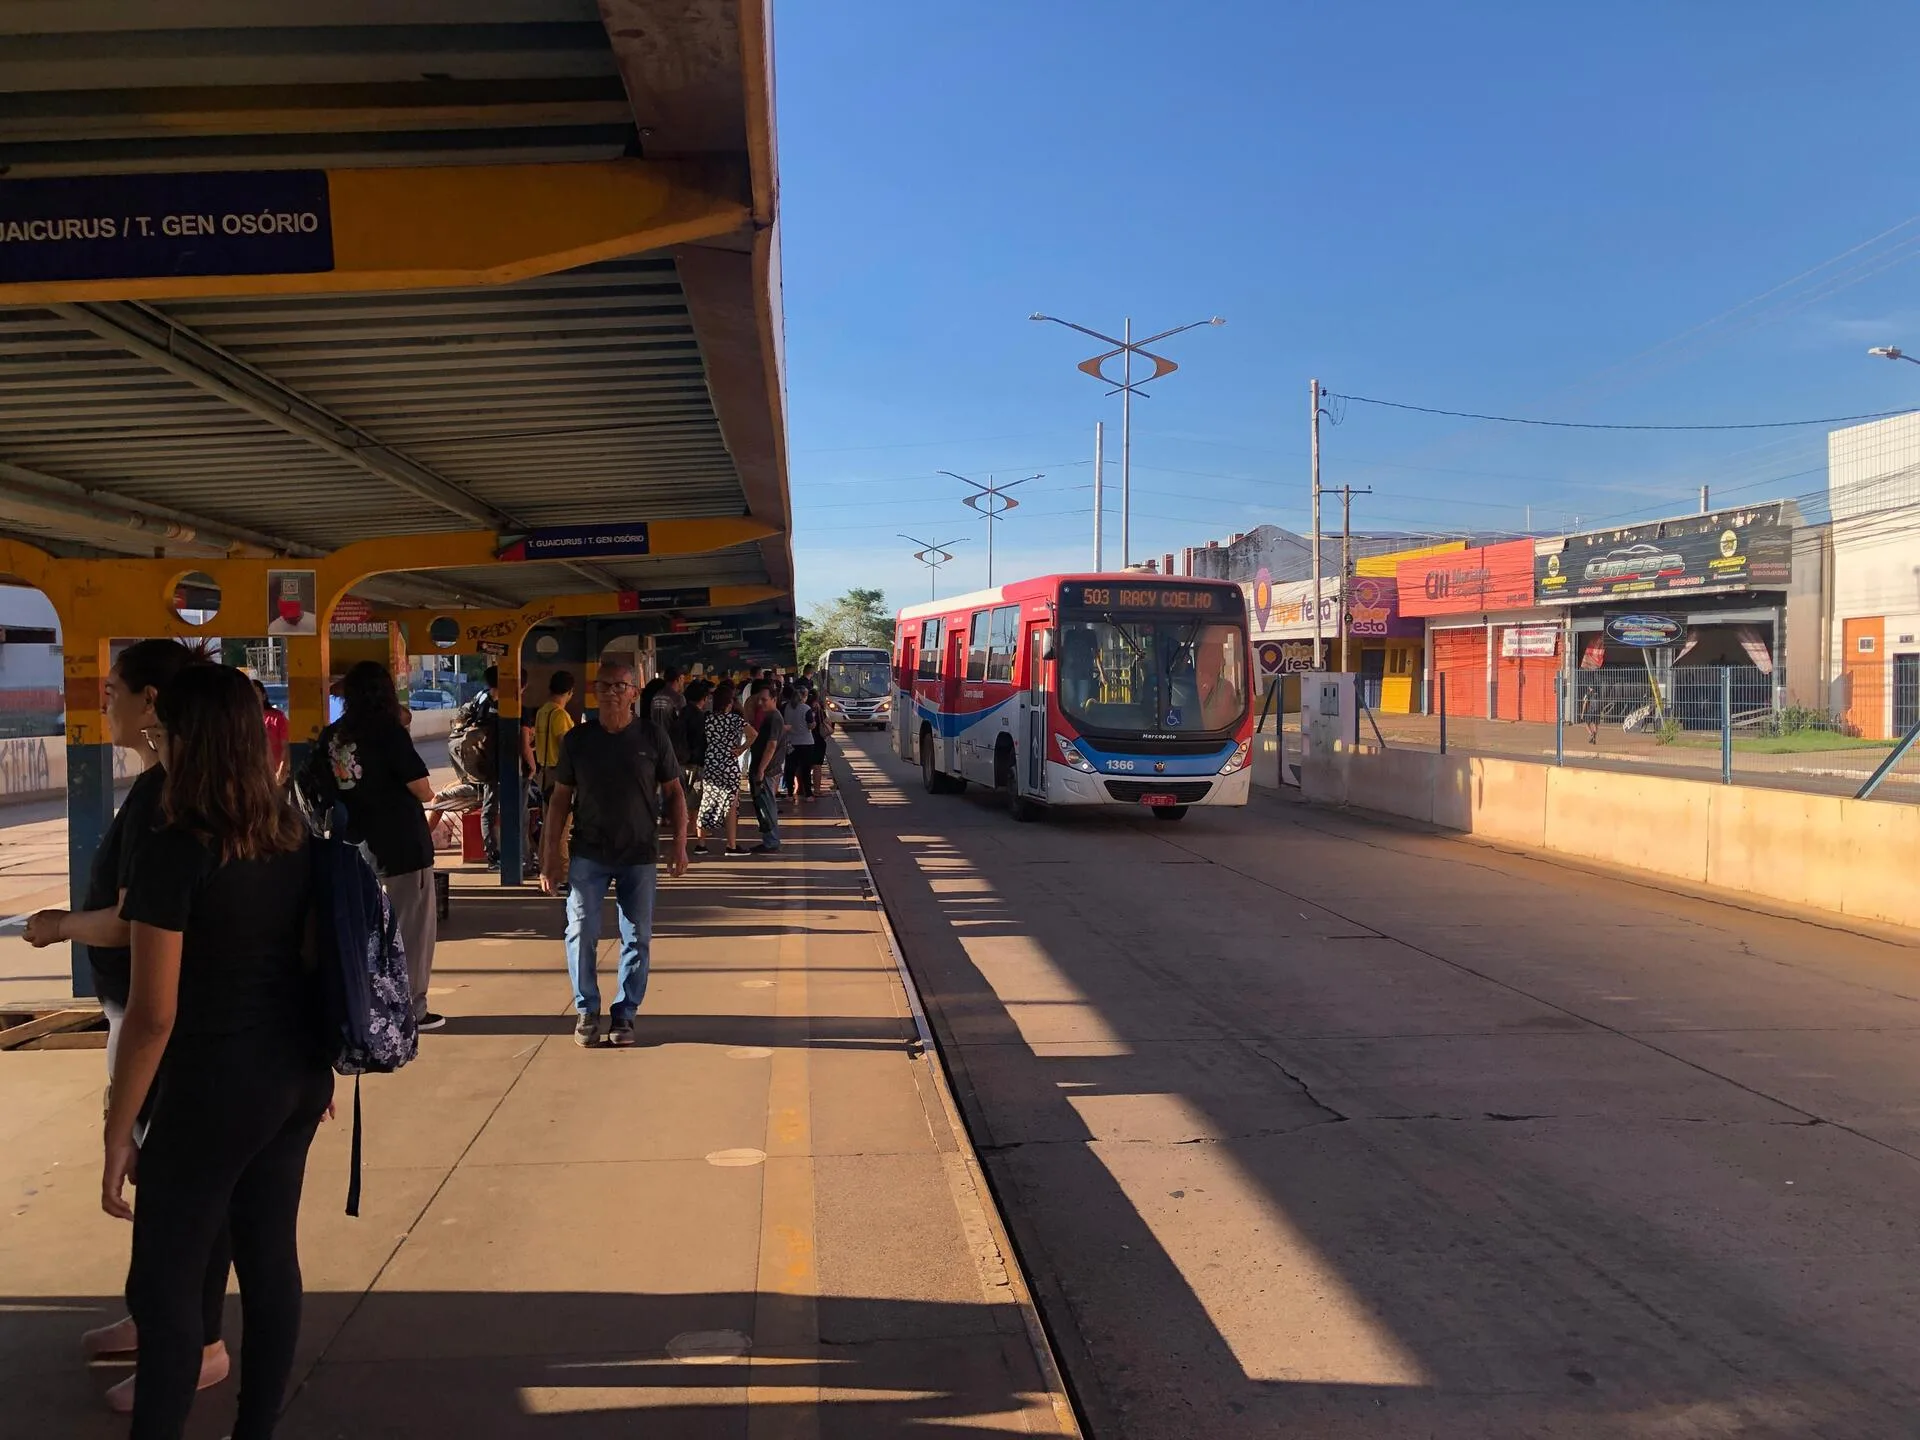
{"points": [[227, 1150]]}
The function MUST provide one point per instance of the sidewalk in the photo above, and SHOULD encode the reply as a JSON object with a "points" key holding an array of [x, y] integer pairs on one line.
{"points": [[759, 1222]]}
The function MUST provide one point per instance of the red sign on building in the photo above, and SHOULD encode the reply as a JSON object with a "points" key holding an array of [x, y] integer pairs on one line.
{"points": [[1468, 582]]}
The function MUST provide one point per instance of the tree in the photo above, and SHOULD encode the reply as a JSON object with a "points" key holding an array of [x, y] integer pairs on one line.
{"points": [[858, 617]]}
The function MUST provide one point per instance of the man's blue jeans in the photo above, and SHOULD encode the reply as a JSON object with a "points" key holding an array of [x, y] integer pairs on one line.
{"points": [[766, 809], [633, 887]]}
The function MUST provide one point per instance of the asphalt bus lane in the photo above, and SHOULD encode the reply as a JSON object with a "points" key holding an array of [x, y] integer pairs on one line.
{"points": [[1305, 1125]]}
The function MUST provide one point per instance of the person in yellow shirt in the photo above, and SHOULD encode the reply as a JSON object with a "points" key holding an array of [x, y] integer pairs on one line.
{"points": [[550, 726]]}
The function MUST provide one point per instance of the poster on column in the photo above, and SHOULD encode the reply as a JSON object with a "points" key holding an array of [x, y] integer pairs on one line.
{"points": [[292, 607]]}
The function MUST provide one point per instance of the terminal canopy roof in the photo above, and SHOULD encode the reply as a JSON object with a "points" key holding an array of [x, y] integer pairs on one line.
{"points": [[562, 310]]}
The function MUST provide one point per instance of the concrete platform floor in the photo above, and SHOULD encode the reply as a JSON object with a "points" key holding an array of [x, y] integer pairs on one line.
{"points": [[759, 1222]]}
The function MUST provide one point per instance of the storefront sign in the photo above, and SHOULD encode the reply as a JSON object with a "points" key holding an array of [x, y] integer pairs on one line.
{"points": [[1262, 597], [1529, 642], [579, 542], [126, 227], [1645, 632], [1288, 657], [1373, 608], [1468, 582], [1699, 554]]}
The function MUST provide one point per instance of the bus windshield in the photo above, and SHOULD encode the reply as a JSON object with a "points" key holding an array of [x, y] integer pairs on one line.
{"points": [[1153, 675], [859, 679]]}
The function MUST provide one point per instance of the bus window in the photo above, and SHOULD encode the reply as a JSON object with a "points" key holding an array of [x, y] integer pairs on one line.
{"points": [[929, 650], [1004, 634], [977, 647]]}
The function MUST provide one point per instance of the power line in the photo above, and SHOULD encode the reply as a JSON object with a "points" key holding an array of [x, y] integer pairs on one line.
{"points": [[1590, 425]]}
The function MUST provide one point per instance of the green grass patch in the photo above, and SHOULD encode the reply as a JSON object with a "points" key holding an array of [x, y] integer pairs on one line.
{"points": [[1800, 742]]}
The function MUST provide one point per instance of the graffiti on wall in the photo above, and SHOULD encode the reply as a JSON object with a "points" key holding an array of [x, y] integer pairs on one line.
{"points": [[23, 767]]}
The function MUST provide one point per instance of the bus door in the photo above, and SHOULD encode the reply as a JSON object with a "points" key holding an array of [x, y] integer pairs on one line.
{"points": [[1039, 657], [952, 675], [905, 714]]}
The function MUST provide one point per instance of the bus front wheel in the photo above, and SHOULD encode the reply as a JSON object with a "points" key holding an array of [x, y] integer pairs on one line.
{"points": [[1169, 813]]}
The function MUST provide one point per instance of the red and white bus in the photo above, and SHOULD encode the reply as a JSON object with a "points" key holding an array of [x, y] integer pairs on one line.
{"points": [[1080, 690]]}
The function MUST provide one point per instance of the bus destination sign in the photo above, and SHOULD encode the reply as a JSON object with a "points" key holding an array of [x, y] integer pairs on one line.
{"points": [[1171, 599]]}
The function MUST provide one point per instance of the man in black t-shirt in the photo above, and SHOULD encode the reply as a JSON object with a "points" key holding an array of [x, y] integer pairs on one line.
{"points": [[616, 772]]}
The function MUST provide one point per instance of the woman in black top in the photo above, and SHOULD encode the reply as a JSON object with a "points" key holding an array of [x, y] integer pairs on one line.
{"points": [[383, 783], [138, 675], [222, 1028]]}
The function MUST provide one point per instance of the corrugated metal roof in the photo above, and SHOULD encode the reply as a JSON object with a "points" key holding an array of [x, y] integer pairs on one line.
{"points": [[560, 400], [94, 86], [575, 397]]}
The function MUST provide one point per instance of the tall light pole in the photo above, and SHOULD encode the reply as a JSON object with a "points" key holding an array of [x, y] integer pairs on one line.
{"points": [[1891, 352], [932, 555], [1126, 347], [992, 501], [1099, 496], [1313, 401]]}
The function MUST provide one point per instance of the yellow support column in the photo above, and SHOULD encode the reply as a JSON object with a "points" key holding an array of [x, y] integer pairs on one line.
{"points": [[513, 787], [89, 771]]}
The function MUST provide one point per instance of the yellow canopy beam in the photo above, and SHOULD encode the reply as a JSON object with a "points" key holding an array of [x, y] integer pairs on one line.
{"points": [[418, 228]]}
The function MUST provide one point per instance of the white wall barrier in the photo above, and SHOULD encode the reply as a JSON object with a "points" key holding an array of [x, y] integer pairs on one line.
{"points": [[1850, 857]]}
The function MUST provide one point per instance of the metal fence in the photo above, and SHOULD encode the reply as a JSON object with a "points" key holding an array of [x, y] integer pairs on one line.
{"points": [[1730, 723]]}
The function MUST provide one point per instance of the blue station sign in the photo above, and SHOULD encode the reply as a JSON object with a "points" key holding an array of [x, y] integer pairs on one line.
{"points": [[579, 542], [134, 227]]}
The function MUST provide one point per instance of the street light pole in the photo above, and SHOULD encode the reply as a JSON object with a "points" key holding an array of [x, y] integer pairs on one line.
{"points": [[1892, 352], [1099, 497], [1126, 347], [933, 556], [992, 501]]}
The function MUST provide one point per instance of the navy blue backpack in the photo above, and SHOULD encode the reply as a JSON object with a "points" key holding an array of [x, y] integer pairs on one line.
{"points": [[366, 997]]}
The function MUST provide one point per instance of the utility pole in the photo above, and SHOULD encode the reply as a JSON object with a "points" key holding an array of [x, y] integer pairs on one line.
{"points": [[1313, 396], [1099, 496], [1347, 492]]}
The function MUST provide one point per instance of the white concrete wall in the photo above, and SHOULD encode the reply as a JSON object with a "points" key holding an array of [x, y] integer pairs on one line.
{"points": [[1850, 857]]}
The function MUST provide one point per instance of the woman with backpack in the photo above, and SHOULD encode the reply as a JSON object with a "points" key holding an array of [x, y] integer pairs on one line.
{"points": [[143, 669], [383, 783], [222, 1030]]}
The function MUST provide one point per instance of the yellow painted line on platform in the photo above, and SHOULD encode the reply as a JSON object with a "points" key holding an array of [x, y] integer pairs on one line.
{"points": [[787, 1311]]}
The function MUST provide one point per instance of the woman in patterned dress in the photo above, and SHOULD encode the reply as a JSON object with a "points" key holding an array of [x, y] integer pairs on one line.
{"points": [[727, 740]]}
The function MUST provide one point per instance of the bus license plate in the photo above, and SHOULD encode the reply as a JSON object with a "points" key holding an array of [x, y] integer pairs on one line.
{"points": [[1159, 800]]}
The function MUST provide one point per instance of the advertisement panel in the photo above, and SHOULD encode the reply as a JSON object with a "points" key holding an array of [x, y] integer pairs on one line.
{"points": [[1529, 642], [1373, 608], [1696, 555], [1473, 581]]}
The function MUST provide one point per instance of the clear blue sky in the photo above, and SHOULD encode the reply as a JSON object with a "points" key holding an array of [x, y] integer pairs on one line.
{"points": [[1541, 210]]}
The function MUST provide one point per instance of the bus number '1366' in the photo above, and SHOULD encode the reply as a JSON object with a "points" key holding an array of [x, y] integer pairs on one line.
{"points": [[1119, 764]]}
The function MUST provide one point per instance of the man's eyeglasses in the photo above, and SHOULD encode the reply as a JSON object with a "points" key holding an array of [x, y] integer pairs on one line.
{"points": [[612, 687]]}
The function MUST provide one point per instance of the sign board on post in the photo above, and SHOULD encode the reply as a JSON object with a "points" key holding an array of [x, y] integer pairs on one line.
{"points": [[128, 227]]}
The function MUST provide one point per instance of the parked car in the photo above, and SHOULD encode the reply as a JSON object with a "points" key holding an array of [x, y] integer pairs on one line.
{"points": [[430, 700]]}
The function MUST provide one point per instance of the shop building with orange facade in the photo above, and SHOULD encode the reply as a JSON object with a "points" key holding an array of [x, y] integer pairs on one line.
{"points": [[1493, 649]]}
